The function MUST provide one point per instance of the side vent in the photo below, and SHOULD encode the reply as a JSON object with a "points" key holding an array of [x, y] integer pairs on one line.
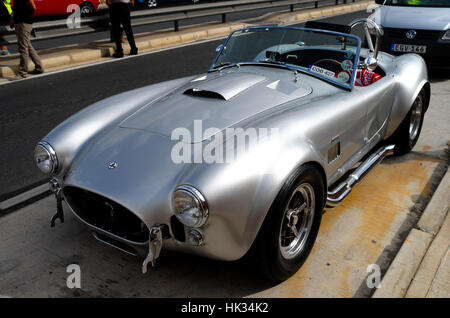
{"points": [[335, 150], [203, 93]]}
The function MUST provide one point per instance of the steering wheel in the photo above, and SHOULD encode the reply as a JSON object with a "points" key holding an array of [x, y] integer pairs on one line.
{"points": [[329, 61]]}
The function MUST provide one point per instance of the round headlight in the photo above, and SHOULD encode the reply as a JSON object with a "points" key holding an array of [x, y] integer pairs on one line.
{"points": [[45, 157], [190, 206]]}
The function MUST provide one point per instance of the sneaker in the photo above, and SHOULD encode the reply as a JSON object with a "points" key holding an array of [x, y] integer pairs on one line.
{"points": [[118, 54], [16, 77], [134, 51], [36, 71]]}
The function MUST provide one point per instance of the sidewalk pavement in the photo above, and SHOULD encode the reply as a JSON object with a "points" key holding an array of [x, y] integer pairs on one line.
{"points": [[75, 55], [422, 266]]}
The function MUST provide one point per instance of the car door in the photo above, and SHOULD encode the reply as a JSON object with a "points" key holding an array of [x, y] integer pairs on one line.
{"points": [[51, 7], [379, 98], [343, 133], [42, 8]]}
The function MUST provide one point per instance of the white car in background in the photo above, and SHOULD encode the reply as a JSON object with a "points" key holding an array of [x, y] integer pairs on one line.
{"points": [[416, 26]]}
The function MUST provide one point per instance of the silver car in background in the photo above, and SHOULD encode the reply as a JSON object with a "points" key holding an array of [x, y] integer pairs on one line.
{"points": [[416, 26], [173, 165]]}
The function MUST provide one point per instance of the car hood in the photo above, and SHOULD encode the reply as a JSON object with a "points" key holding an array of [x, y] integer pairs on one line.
{"points": [[143, 171], [219, 100], [413, 17]]}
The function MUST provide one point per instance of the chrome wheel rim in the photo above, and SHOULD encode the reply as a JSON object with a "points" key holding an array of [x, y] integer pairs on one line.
{"points": [[152, 3], [297, 221], [85, 10], [416, 117]]}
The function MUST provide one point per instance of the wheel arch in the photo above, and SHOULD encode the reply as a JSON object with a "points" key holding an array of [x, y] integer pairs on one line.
{"points": [[411, 78], [427, 88], [314, 164]]}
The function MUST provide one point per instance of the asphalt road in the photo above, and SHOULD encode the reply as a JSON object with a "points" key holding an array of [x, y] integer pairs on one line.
{"points": [[30, 109]]}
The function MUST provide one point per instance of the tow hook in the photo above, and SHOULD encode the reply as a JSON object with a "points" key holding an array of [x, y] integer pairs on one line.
{"points": [[59, 214], [154, 246]]}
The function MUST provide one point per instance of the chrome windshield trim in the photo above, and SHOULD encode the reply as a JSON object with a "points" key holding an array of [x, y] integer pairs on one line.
{"points": [[347, 87]]}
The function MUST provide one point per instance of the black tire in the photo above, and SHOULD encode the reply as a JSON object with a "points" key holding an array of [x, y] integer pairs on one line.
{"points": [[86, 9], [268, 252], [407, 134]]}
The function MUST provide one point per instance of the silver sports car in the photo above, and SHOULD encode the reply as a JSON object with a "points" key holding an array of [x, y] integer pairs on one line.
{"points": [[245, 157]]}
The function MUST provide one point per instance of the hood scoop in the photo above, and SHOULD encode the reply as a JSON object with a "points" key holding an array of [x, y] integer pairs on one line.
{"points": [[225, 86], [203, 93]]}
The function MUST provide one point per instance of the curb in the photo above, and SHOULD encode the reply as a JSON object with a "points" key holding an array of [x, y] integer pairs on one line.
{"points": [[428, 280], [19, 200], [413, 269], [95, 52], [305, 15]]}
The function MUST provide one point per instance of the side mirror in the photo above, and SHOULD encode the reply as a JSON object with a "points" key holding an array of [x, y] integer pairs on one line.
{"points": [[219, 48], [371, 63], [379, 1]]}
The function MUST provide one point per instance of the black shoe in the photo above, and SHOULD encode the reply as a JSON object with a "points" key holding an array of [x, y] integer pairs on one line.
{"points": [[36, 72], [118, 54], [134, 51]]}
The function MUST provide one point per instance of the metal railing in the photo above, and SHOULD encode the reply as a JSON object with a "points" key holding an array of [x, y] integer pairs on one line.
{"points": [[59, 28]]}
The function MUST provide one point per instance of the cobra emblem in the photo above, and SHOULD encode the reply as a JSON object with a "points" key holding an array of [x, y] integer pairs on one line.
{"points": [[112, 165]]}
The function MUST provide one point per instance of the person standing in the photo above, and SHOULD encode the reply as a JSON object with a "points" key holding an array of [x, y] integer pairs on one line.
{"points": [[22, 21], [119, 11], [5, 16]]}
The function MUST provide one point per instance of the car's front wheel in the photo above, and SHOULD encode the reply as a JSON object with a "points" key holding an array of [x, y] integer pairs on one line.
{"points": [[407, 134], [291, 226]]}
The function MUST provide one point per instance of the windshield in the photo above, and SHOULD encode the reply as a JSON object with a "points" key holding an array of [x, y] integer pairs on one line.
{"points": [[419, 3], [328, 55]]}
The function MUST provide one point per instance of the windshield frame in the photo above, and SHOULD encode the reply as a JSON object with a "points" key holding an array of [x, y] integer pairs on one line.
{"points": [[421, 5], [291, 67]]}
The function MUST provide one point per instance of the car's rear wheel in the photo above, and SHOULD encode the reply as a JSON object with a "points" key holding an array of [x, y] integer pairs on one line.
{"points": [[407, 134], [86, 9], [152, 3], [290, 228]]}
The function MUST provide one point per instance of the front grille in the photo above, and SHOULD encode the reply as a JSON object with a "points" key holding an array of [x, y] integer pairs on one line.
{"points": [[106, 214], [421, 34]]}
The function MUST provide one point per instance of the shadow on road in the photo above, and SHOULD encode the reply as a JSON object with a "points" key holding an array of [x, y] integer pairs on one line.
{"points": [[438, 75]]}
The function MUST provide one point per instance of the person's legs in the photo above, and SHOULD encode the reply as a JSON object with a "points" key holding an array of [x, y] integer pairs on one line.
{"points": [[23, 36], [115, 24], [126, 23], [38, 67]]}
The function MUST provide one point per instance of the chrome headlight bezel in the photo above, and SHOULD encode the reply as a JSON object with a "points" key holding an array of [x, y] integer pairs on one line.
{"points": [[43, 148], [446, 36], [197, 213]]}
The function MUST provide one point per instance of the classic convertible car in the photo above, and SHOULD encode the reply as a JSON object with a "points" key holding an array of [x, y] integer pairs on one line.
{"points": [[145, 169]]}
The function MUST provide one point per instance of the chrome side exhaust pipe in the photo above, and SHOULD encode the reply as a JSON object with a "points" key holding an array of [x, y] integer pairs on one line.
{"points": [[338, 194]]}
